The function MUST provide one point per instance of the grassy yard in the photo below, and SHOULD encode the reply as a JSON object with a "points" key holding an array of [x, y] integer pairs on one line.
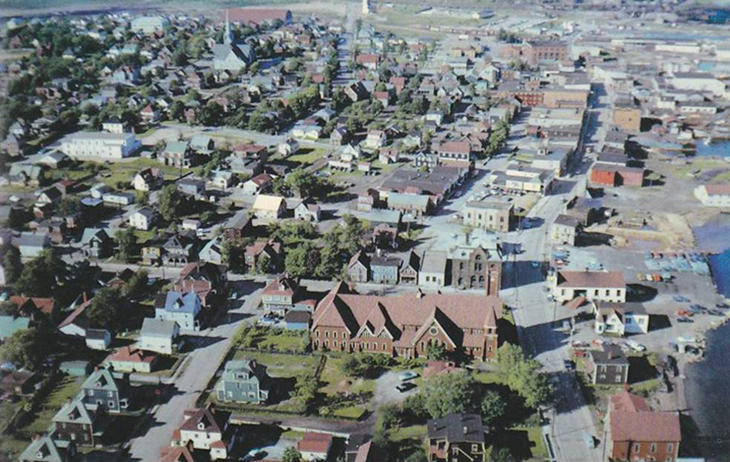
{"points": [[537, 442], [67, 387], [307, 156], [279, 364], [405, 433], [270, 339], [335, 380]]}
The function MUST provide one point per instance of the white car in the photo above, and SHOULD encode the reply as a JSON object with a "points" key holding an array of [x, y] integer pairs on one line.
{"points": [[636, 346]]}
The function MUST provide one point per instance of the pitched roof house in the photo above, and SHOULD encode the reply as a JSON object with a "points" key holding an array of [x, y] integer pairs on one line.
{"points": [[635, 432]]}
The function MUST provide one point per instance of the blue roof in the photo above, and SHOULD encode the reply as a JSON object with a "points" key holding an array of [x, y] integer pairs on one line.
{"points": [[9, 325], [187, 302]]}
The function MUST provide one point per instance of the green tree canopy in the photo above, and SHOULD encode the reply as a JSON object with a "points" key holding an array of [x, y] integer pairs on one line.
{"points": [[28, 347], [105, 310], [449, 393], [40, 277]]}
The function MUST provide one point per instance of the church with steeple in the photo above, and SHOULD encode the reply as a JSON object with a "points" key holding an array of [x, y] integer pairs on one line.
{"points": [[229, 55]]}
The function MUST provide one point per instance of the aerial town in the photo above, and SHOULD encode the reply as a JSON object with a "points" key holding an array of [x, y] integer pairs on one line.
{"points": [[364, 231]]}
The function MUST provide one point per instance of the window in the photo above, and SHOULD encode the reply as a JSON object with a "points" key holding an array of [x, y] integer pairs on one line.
{"points": [[474, 447], [670, 447], [637, 447], [110, 404], [652, 448]]}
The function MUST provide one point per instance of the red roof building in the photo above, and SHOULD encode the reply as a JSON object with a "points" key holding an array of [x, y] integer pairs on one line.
{"points": [[315, 446], [405, 325], [638, 433]]}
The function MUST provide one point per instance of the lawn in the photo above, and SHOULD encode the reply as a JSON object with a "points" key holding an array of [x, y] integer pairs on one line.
{"points": [[335, 381], [350, 412], [537, 442], [280, 364], [67, 387], [271, 339], [405, 433], [307, 156], [645, 388]]}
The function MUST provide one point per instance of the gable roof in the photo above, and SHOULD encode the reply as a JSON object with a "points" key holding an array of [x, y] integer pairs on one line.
{"points": [[600, 279], [267, 202], [42, 449], [100, 379], [457, 428]]}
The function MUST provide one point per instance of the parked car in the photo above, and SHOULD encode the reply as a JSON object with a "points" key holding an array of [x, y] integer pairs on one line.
{"points": [[636, 346], [687, 320], [407, 375], [405, 386]]}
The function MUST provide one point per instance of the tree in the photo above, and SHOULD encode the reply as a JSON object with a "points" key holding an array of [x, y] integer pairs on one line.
{"points": [[105, 309], [450, 393], [12, 264], [291, 455], [301, 259], [492, 406], [136, 285], [168, 202], [523, 375], [27, 347], [263, 265], [40, 276], [436, 352], [126, 244]]}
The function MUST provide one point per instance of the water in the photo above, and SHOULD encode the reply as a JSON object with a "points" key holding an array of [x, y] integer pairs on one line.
{"points": [[720, 264], [714, 149], [706, 386]]}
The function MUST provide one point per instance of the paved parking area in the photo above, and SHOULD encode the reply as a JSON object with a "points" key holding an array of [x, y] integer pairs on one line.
{"points": [[385, 391]]}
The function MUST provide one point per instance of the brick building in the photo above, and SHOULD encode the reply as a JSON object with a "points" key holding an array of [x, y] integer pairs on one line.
{"points": [[535, 51], [613, 175], [635, 432], [405, 325]]}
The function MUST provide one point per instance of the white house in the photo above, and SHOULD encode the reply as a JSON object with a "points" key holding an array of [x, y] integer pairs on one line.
{"points": [[158, 335], [713, 195], [202, 428], [142, 219], [99, 145], [149, 24], [605, 286], [181, 307], [98, 339], [620, 318]]}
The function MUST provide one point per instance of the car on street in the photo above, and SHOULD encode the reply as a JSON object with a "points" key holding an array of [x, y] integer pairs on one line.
{"points": [[636, 346], [685, 320], [405, 386]]}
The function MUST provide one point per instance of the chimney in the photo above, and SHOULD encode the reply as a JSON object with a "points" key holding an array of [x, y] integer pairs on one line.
{"points": [[36, 436], [86, 297], [466, 429], [68, 400]]}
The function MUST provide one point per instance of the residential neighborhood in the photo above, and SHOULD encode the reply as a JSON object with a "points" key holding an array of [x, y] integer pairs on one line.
{"points": [[364, 231]]}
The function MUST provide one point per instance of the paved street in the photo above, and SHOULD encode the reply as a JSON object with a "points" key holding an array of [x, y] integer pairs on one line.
{"points": [[199, 367]]}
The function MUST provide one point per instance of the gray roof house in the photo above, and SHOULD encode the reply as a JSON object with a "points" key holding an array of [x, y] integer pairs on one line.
{"points": [[243, 381], [384, 270], [433, 269], [102, 389], [158, 335], [41, 449]]}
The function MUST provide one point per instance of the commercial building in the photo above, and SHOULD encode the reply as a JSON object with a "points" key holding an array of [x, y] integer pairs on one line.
{"points": [[99, 145]]}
